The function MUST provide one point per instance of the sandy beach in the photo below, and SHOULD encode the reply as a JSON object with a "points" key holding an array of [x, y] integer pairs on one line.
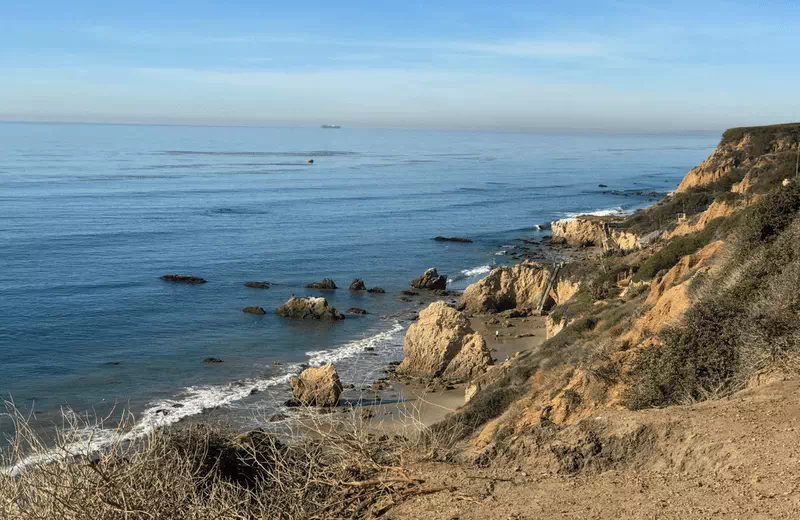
{"points": [[418, 406]]}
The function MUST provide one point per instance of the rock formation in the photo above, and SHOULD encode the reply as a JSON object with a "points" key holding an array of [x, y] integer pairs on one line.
{"points": [[356, 310], [376, 290], [309, 308], [317, 386], [257, 285], [510, 287], [325, 285], [183, 278], [430, 279], [442, 344], [254, 310], [357, 285], [453, 239], [594, 231]]}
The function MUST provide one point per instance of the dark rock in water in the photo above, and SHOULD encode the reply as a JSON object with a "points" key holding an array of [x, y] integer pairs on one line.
{"points": [[430, 279], [444, 292], [410, 293], [253, 391], [183, 278], [112, 363], [309, 309], [357, 285], [278, 417], [212, 360], [356, 310], [254, 310], [602, 186], [292, 403], [326, 285], [376, 290], [369, 349], [349, 386], [258, 285], [404, 299], [453, 239]]}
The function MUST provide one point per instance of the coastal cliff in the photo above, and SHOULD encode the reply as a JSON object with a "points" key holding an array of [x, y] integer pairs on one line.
{"points": [[671, 368]]}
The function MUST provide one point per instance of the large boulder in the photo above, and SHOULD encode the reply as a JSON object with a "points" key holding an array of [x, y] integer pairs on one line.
{"points": [[442, 344], [326, 285], [357, 285], [520, 286], [430, 279], [309, 308], [317, 386]]}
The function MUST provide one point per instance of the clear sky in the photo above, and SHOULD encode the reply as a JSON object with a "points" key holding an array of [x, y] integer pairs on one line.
{"points": [[615, 65]]}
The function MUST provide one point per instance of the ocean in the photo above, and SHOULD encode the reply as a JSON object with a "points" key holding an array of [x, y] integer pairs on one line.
{"points": [[92, 215]]}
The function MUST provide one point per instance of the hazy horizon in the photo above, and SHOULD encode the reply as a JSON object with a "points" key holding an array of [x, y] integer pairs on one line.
{"points": [[616, 66]]}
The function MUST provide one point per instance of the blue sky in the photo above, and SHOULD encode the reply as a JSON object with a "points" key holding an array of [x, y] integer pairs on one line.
{"points": [[474, 65]]}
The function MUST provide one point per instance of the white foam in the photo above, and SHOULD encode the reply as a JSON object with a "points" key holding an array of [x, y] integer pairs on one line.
{"points": [[606, 212], [353, 348], [195, 400], [471, 273]]}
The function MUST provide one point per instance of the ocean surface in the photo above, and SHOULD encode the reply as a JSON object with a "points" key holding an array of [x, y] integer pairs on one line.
{"points": [[92, 215]]}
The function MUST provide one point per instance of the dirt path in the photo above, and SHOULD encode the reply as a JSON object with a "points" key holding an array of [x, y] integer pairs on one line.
{"points": [[736, 458]]}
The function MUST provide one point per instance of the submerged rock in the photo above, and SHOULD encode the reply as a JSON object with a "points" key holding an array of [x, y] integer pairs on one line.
{"points": [[258, 285], [453, 239], [356, 310], [317, 386], [183, 278], [309, 308], [442, 344], [357, 285], [254, 310], [376, 290], [325, 285], [430, 279], [212, 360]]}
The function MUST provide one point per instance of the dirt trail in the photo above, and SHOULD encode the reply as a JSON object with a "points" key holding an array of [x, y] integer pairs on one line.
{"points": [[735, 458]]}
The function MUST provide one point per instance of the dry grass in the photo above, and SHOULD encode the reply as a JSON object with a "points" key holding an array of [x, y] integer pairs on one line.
{"points": [[327, 468]]}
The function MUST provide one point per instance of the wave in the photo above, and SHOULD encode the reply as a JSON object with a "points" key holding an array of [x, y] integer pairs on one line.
{"points": [[356, 347], [195, 400], [471, 273]]}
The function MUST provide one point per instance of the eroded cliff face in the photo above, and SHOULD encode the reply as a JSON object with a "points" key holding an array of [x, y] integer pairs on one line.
{"points": [[579, 231], [720, 163], [744, 149], [594, 231], [717, 209]]}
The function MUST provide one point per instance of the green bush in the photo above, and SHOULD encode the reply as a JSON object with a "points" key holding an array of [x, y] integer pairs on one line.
{"points": [[673, 251], [696, 358]]}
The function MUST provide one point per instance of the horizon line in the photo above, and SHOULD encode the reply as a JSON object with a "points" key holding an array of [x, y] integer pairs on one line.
{"points": [[357, 127]]}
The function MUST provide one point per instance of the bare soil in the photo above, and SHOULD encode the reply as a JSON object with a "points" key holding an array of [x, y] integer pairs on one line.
{"points": [[733, 458]]}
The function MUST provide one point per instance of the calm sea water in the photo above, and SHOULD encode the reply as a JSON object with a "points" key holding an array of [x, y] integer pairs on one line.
{"points": [[92, 215]]}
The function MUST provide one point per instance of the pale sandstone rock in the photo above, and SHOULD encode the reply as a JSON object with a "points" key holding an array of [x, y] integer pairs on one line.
{"points": [[309, 308], [511, 287], [317, 386], [442, 344]]}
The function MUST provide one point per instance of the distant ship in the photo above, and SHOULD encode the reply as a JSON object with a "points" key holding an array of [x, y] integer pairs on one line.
{"points": [[331, 126]]}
